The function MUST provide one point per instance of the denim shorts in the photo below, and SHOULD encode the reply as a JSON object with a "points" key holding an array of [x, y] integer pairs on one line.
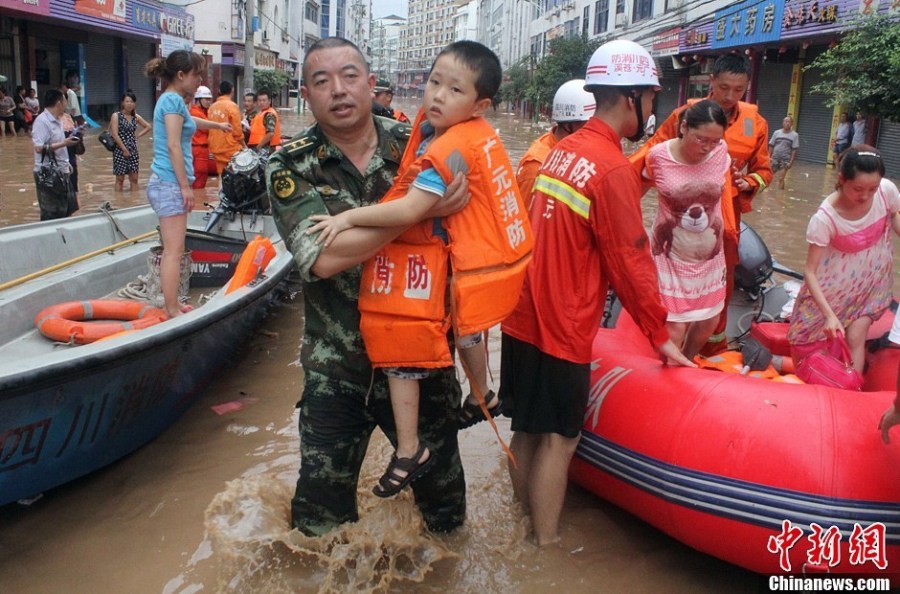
{"points": [[165, 197]]}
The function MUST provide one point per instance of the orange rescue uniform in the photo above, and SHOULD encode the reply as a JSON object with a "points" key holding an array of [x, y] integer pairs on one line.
{"points": [[258, 129], [224, 145], [531, 162], [589, 234], [404, 319], [747, 137], [200, 149]]}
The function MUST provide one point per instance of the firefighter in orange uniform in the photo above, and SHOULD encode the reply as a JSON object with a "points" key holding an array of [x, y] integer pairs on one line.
{"points": [[200, 140], [572, 108], [265, 129], [747, 138]]}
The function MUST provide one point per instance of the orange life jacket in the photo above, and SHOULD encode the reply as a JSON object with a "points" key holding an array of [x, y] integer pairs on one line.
{"points": [[400, 116], [530, 164], [733, 362], [200, 137], [258, 129], [404, 319]]}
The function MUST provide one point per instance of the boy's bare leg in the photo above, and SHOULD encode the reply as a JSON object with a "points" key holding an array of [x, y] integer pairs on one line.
{"points": [[475, 361], [405, 404]]}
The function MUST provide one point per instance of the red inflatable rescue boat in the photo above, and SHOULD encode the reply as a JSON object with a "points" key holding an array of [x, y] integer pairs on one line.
{"points": [[773, 477]]}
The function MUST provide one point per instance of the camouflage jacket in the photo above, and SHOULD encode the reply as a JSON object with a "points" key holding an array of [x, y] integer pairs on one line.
{"points": [[308, 176]]}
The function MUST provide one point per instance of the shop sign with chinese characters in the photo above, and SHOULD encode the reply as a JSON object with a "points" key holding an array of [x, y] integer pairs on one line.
{"points": [[747, 23]]}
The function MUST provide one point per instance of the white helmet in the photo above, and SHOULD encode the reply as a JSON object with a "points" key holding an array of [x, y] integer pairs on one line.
{"points": [[203, 93], [621, 63], [572, 103]]}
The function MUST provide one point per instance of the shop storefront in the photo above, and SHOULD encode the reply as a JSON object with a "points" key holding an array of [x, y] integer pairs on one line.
{"points": [[889, 146], [780, 37], [99, 47], [663, 48]]}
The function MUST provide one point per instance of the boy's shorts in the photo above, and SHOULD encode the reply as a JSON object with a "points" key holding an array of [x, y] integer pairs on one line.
{"points": [[779, 164], [419, 373], [541, 393], [840, 147], [165, 197]]}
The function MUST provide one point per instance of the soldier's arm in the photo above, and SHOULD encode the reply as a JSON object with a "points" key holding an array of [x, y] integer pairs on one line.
{"points": [[358, 244]]}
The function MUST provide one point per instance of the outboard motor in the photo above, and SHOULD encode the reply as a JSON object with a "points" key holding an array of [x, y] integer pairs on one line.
{"points": [[755, 265], [243, 187]]}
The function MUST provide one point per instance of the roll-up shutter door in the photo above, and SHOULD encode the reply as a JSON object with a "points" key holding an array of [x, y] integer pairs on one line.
{"points": [[889, 147], [7, 58], [667, 98], [137, 54], [103, 74], [814, 126], [773, 93]]}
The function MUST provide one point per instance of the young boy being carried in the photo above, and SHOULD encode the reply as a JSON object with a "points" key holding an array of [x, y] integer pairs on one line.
{"points": [[404, 288]]}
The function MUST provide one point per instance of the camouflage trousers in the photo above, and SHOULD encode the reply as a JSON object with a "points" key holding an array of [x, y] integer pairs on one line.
{"points": [[335, 426]]}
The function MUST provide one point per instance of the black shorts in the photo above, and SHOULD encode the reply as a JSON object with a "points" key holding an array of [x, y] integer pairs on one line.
{"points": [[542, 394]]}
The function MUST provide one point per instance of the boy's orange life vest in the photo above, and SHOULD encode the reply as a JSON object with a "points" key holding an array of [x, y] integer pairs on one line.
{"points": [[404, 319], [258, 128]]}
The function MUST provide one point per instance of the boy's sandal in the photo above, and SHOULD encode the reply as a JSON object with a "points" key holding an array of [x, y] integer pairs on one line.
{"points": [[471, 414], [392, 483]]}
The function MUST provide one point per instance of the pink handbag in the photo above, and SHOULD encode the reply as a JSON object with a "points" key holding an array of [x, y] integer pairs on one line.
{"points": [[824, 368]]}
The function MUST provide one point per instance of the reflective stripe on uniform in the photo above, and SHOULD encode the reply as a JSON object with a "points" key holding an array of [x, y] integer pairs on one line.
{"points": [[759, 180], [563, 192]]}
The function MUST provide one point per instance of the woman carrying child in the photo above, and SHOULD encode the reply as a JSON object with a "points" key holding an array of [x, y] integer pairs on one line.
{"points": [[690, 174], [848, 273]]}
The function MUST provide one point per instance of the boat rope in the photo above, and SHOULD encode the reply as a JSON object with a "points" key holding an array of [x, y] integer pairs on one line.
{"points": [[105, 208]]}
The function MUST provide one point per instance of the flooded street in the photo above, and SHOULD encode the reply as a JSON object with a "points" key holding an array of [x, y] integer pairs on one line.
{"points": [[205, 506]]}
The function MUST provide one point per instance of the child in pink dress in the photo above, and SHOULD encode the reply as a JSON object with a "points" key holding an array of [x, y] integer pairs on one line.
{"points": [[848, 272], [689, 173]]}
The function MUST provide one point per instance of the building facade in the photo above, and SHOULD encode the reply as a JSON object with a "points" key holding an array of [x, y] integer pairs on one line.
{"points": [[779, 37], [429, 28], [222, 31], [99, 47], [383, 48]]}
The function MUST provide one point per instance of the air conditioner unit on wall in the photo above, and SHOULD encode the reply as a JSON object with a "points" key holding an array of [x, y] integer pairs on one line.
{"points": [[621, 20]]}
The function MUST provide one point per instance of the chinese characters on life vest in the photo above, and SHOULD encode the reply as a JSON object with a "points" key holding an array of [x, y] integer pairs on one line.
{"points": [[505, 193]]}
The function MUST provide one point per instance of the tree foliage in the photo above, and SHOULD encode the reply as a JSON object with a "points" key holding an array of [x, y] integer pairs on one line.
{"points": [[271, 81], [863, 69], [515, 82], [567, 59]]}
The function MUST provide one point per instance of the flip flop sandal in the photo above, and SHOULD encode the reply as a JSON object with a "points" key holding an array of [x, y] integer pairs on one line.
{"points": [[392, 483], [471, 414]]}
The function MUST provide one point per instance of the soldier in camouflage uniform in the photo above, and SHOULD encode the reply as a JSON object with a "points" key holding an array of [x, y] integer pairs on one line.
{"points": [[342, 399]]}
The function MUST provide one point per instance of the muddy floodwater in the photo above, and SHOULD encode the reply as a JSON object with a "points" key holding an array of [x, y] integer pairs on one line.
{"points": [[205, 507]]}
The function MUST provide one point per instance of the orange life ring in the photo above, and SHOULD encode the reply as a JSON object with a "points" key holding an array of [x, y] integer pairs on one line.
{"points": [[87, 321]]}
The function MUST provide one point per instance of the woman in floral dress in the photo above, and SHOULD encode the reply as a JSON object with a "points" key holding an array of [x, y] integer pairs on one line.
{"points": [[123, 128], [848, 273]]}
